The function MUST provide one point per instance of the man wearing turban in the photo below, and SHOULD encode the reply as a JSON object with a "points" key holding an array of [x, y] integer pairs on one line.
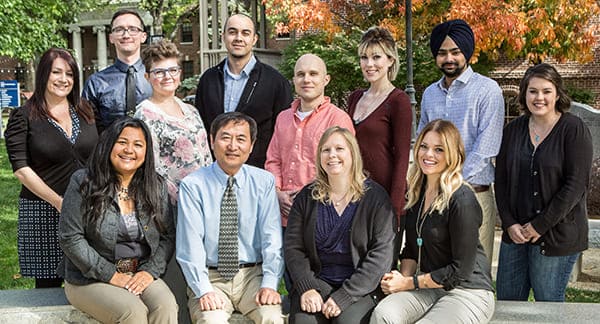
{"points": [[474, 103]]}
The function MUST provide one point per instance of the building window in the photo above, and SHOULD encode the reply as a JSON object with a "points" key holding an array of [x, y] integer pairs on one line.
{"points": [[186, 33], [188, 69]]}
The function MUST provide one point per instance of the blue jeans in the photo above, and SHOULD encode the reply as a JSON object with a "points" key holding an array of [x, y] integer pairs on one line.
{"points": [[522, 267]]}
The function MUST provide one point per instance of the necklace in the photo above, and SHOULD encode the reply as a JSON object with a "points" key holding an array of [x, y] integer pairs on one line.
{"points": [[419, 230], [537, 136], [123, 194], [339, 202]]}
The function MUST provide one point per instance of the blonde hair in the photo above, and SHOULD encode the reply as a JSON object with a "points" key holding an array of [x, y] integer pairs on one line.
{"points": [[382, 37], [451, 178], [321, 187]]}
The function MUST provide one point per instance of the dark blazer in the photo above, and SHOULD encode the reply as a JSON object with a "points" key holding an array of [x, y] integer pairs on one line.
{"points": [[562, 169], [266, 94], [89, 247], [372, 244], [42, 147]]}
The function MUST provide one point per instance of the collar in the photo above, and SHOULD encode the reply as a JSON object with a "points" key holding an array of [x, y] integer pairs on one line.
{"points": [[296, 104], [462, 78], [122, 66], [245, 71], [222, 176]]}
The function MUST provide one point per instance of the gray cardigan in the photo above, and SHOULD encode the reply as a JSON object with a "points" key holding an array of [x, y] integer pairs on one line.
{"points": [[89, 247], [372, 245]]}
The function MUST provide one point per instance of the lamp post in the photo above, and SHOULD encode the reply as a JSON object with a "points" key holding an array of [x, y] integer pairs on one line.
{"points": [[410, 89]]}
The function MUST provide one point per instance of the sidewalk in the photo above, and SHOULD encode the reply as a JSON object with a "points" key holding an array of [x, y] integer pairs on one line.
{"points": [[589, 279]]}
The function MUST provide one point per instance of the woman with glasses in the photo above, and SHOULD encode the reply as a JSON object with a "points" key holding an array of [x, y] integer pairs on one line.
{"points": [[180, 140]]}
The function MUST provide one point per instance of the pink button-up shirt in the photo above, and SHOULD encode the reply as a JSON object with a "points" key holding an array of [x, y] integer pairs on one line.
{"points": [[292, 152]]}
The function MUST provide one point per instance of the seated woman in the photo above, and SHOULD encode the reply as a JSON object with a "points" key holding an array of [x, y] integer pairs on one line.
{"points": [[340, 237], [117, 232], [444, 274]]}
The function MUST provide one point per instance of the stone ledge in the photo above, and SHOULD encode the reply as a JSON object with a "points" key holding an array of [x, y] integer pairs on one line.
{"points": [[516, 312]]}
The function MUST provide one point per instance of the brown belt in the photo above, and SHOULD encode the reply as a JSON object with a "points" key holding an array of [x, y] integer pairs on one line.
{"points": [[480, 188], [127, 265], [242, 265]]}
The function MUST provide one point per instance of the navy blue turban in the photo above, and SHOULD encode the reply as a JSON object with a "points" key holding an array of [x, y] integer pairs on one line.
{"points": [[459, 31]]}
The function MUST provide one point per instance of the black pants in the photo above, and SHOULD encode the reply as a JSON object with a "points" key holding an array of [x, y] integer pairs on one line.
{"points": [[359, 312]]}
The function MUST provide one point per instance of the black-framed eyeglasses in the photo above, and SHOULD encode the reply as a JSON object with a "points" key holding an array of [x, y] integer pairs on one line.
{"points": [[133, 31], [161, 73]]}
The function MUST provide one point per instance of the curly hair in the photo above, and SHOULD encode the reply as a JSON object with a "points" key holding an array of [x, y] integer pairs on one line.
{"points": [[451, 178], [159, 51]]}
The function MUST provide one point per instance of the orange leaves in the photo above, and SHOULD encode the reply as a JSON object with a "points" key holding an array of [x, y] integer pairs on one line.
{"points": [[535, 29]]}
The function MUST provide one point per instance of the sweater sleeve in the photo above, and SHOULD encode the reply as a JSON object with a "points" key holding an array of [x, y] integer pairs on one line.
{"points": [[380, 236], [16, 138], [464, 220], [401, 120], [578, 157], [503, 177]]}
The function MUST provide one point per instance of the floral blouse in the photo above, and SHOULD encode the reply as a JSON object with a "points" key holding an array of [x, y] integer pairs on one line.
{"points": [[180, 145]]}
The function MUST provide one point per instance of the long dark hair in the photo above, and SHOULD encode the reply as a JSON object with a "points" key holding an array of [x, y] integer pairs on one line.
{"points": [[101, 186], [37, 103]]}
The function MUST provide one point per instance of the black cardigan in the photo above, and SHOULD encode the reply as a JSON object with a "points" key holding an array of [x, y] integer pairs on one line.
{"points": [[372, 244], [42, 147], [561, 175], [265, 95]]}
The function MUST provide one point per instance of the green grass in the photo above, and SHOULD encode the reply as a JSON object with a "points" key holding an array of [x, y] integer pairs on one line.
{"points": [[9, 195]]}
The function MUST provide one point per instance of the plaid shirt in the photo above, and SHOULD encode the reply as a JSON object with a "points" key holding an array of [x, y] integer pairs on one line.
{"points": [[474, 104]]}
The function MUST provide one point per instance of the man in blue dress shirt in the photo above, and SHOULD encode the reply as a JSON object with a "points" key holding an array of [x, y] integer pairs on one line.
{"points": [[106, 89], [474, 104], [253, 290]]}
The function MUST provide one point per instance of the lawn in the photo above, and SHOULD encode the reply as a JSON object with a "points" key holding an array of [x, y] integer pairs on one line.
{"points": [[9, 195]]}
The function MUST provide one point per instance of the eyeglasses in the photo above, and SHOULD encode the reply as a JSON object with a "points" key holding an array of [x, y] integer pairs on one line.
{"points": [[161, 73], [133, 31]]}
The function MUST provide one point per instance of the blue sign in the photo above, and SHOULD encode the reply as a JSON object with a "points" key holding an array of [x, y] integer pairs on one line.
{"points": [[9, 93]]}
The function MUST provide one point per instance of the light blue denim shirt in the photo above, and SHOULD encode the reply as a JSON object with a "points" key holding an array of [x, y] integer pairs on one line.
{"points": [[474, 104], [235, 83], [260, 238]]}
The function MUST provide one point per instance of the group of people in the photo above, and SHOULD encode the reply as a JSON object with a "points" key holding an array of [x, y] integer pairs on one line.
{"points": [[127, 181]]}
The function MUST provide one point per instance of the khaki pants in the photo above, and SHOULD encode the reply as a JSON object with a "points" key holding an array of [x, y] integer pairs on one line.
{"points": [[111, 304], [239, 294], [490, 213]]}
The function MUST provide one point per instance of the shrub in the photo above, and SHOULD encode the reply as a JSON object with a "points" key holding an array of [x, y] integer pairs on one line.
{"points": [[593, 200]]}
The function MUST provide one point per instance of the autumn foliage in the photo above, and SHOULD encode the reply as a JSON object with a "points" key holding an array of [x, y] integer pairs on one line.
{"points": [[532, 29]]}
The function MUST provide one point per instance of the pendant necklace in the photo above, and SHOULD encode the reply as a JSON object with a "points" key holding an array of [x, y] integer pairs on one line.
{"points": [[419, 230], [123, 194], [338, 202]]}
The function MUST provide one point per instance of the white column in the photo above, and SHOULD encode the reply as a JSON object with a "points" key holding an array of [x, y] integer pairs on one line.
{"points": [[224, 15], [76, 35], [101, 51]]}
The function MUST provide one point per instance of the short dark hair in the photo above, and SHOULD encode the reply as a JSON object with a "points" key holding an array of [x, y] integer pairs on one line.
{"points": [[235, 117], [159, 51], [547, 72], [127, 12]]}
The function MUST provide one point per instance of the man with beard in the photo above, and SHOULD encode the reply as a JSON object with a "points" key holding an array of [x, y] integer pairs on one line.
{"points": [[474, 104], [243, 83]]}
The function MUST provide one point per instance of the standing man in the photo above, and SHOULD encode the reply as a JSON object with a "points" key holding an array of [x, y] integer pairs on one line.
{"points": [[292, 151], [242, 83], [229, 242], [116, 90], [475, 105]]}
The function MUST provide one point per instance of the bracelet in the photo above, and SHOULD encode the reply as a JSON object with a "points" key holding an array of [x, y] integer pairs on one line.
{"points": [[416, 281]]}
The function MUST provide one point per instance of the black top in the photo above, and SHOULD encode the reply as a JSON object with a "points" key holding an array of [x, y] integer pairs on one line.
{"points": [[265, 95], [560, 176], [451, 251], [42, 147], [372, 236]]}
